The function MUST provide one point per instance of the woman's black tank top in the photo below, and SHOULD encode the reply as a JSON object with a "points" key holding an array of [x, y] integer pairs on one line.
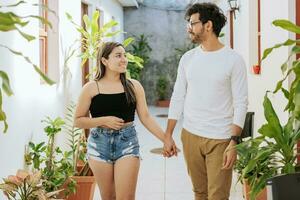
{"points": [[112, 105]]}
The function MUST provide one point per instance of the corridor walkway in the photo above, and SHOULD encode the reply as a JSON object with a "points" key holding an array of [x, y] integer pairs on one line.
{"points": [[151, 177]]}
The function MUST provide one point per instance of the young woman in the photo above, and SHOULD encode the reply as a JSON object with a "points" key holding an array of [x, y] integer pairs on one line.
{"points": [[113, 147]]}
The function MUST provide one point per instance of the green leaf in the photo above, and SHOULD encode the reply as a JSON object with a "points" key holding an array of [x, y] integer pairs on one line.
{"points": [[10, 18], [269, 50], [5, 83], [287, 25], [42, 75], [6, 28], [108, 25], [36, 68], [26, 36], [297, 101], [42, 19], [284, 67], [279, 86], [271, 115], [273, 128], [285, 92], [44, 7], [289, 168], [69, 16], [259, 185], [111, 34], [296, 49], [249, 168], [221, 35], [94, 23], [267, 130], [128, 41], [13, 5], [288, 128], [3, 115], [87, 23]]}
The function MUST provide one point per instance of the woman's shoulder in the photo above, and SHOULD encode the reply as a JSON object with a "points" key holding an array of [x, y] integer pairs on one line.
{"points": [[135, 83], [90, 84], [90, 88], [139, 90]]}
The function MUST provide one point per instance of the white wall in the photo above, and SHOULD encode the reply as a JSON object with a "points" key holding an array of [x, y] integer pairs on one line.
{"points": [[33, 101], [246, 44]]}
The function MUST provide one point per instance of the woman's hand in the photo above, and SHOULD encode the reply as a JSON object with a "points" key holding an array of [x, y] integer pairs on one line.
{"points": [[112, 122], [170, 148]]}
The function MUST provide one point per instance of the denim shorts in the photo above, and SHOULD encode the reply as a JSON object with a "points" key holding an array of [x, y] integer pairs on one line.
{"points": [[109, 145]]}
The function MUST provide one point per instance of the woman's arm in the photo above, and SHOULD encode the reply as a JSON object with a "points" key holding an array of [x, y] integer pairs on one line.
{"points": [[143, 113], [82, 118]]}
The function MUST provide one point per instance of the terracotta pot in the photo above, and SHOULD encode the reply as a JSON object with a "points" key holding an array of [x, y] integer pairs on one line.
{"points": [[256, 69], [246, 190], [85, 188], [163, 103]]}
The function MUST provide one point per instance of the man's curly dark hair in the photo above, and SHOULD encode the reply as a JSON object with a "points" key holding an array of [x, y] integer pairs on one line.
{"points": [[208, 12]]}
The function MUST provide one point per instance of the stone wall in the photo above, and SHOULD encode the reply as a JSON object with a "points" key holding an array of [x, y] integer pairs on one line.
{"points": [[166, 30]]}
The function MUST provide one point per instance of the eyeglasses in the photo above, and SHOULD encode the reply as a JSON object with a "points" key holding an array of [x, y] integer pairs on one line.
{"points": [[191, 24]]}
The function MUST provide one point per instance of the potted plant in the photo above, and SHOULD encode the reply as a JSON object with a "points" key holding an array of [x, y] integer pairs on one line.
{"points": [[54, 164], [25, 185], [247, 151], [82, 174], [280, 139], [162, 86]]}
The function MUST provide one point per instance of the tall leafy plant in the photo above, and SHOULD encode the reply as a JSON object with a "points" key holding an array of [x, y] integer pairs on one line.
{"points": [[10, 21], [76, 142], [55, 165], [162, 86], [280, 139], [141, 48], [93, 38]]}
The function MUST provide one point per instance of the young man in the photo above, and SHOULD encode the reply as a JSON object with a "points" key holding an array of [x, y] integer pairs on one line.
{"points": [[211, 92]]}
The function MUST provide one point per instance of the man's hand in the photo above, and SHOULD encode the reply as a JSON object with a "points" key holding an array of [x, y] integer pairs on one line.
{"points": [[230, 156], [170, 148]]}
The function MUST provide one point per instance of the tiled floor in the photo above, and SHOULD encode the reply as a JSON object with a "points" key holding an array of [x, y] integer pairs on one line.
{"points": [[153, 180]]}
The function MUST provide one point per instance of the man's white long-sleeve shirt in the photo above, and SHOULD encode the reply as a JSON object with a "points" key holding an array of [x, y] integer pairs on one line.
{"points": [[211, 91]]}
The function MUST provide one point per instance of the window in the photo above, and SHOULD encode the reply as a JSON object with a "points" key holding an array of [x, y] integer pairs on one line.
{"points": [[43, 38], [86, 66], [100, 19], [49, 40]]}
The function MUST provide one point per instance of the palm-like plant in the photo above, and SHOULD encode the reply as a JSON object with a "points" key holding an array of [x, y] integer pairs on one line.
{"points": [[76, 142], [93, 38], [279, 141]]}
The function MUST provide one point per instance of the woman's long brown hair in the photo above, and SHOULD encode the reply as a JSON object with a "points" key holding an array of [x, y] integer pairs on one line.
{"points": [[105, 51]]}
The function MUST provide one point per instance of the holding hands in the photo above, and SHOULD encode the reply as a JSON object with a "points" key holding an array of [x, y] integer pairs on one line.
{"points": [[170, 148]]}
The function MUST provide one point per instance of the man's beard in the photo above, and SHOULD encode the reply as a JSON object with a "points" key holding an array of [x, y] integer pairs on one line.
{"points": [[196, 38]]}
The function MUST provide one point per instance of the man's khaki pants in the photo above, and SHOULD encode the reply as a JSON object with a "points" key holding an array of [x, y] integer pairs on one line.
{"points": [[204, 159]]}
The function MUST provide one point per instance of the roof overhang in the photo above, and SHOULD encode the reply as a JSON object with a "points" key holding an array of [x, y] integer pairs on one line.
{"points": [[129, 3]]}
